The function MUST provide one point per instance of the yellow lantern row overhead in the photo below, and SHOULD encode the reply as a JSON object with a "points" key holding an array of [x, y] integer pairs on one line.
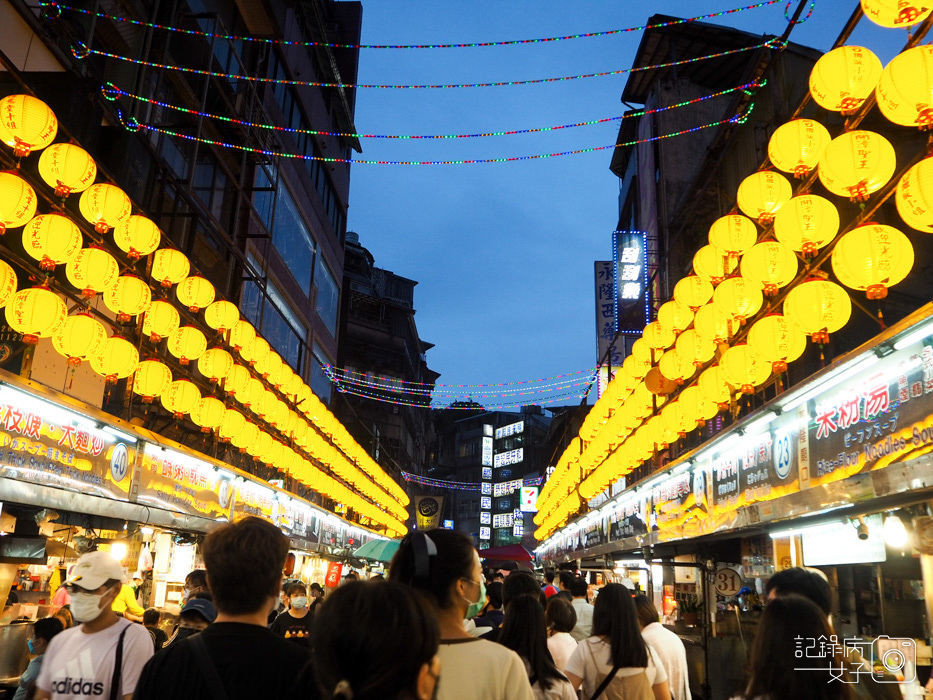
{"points": [[771, 265], [137, 236], [36, 312], [744, 368], [221, 315], [762, 194], [161, 320], [26, 124], [8, 283], [242, 334], [117, 359], [914, 196], [905, 91], [93, 270], [180, 397], [712, 323], [104, 206], [733, 234], [872, 258], [208, 414], [818, 307], [693, 291], [215, 364], [777, 340], [713, 264], [675, 316], [81, 336], [807, 223], [18, 201], [714, 387], [67, 168], [187, 344], [151, 380], [236, 381], [195, 292], [738, 298], [128, 297], [857, 163], [797, 146], [52, 239], [895, 14], [695, 347], [169, 266], [842, 78]]}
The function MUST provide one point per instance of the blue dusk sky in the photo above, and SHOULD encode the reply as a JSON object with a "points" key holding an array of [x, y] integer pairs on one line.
{"points": [[504, 252]]}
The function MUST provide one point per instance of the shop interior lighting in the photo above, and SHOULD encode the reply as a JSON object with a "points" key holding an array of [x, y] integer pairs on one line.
{"points": [[922, 332], [895, 534], [756, 426], [146, 530], [119, 434], [831, 380], [118, 551]]}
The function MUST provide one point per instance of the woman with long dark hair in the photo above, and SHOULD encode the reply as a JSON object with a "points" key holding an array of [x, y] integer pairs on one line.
{"points": [[787, 625], [524, 631], [615, 655]]}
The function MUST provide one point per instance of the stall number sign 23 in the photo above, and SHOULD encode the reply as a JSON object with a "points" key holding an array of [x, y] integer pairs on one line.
{"points": [[728, 582]]}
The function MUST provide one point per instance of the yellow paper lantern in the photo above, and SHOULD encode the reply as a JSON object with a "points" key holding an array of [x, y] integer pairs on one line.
{"points": [[8, 283], [92, 270], [208, 414], [137, 236], [738, 298], [187, 344], [180, 397], [265, 405], [253, 394], [284, 380], [261, 446], [657, 337], [713, 386], [872, 258], [674, 419], [712, 323], [777, 340], [641, 353], [733, 234], [905, 91], [693, 291], [634, 369], [236, 381], [713, 264], [694, 347], [104, 206], [129, 297], [152, 379], [116, 359], [26, 124], [215, 364], [36, 312], [819, 307], [914, 196], [256, 352], [797, 146], [195, 293], [52, 239], [807, 223], [895, 14], [221, 315], [169, 266], [696, 406], [675, 316], [79, 337], [273, 367], [242, 334], [675, 366], [18, 201], [160, 321], [233, 422], [771, 265], [762, 194], [744, 368], [67, 168], [842, 78], [857, 163], [247, 436]]}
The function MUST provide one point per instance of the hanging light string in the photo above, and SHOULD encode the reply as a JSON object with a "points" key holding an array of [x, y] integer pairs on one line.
{"points": [[81, 51], [132, 125], [460, 485], [339, 371], [58, 8], [112, 92], [437, 394], [426, 402]]}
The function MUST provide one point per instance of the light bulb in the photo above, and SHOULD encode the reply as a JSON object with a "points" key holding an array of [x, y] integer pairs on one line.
{"points": [[895, 534]]}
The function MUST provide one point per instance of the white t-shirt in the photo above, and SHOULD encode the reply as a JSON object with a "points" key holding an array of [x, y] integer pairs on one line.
{"points": [[561, 645], [581, 664], [481, 670], [584, 625], [79, 666], [559, 690], [673, 657]]}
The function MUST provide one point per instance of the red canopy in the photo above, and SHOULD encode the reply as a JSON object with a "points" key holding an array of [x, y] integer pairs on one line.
{"points": [[513, 552]]}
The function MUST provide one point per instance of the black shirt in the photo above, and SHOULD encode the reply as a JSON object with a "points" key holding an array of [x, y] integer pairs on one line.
{"points": [[251, 661], [296, 629], [159, 637]]}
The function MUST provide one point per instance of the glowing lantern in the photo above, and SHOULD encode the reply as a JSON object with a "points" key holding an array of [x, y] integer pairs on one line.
{"points": [[79, 337], [857, 163], [36, 313], [136, 236], [273, 367], [807, 223], [796, 146], [762, 194], [641, 352], [104, 206], [195, 293], [694, 347], [52, 239], [92, 270], [674, 316], [117, 359], [129, 297], [247, 436], [733, 233], [693, 291], [180, 397], [713, 386], [712, 264], [187, 344], [169, 266], [256, 352], [26, 124], [284, 380], [8, 283], [151, 380], [905, 91], [895, 14], [242, 334], [657, 337], [777, 340], [696, 406], [265, 404], [872, 258], [738, 298], [67, 168], [658, 384], [221, 315], [744, 368], [208, 414], [233, 422], [675, 366], [770, 264], [161, 320], [674, 419], [712, 323], [842, 79], [236, 380], [819, 307], [18, 201], [252, 395], [215, 364], [633, 369], [261, 446], [914, 196]]}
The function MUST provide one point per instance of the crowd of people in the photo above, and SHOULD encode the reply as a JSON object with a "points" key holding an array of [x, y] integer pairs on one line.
{"points": [[432, 630]]}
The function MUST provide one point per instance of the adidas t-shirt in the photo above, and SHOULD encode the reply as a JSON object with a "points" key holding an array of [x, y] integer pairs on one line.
{"points": [[79, 666]]}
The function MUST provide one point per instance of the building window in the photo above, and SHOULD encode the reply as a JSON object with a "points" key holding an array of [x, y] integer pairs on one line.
{"points": [[320, 384], [467, 449], [290, 234], [275, 319], [327, 302]]}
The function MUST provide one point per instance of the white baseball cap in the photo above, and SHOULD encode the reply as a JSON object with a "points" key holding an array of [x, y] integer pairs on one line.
{"points": [[94, 569]]}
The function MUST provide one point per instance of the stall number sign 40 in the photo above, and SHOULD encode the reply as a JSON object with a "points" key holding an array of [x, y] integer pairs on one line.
{"points": [[728, 581]]}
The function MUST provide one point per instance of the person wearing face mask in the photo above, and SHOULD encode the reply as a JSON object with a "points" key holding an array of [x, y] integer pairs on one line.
{"points": [[42, 634], [295, 623], [104, 655], [196, 615], [444, 565], [195, 582]]}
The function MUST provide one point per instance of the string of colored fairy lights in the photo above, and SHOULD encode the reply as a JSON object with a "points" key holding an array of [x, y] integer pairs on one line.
{"points": [[132, 125], [460, 485], [58, 7], [80, 51], [112, 92], [442, 394], [468, 406], [349, 372]]}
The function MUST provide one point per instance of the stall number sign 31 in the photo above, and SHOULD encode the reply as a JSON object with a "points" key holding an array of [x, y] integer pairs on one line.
{"points": [[728, 582]]}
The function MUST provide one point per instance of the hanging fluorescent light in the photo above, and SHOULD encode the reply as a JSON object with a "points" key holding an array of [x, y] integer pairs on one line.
{"points": [[912, 337], [756, 425], [119, 434], [831, 380]]}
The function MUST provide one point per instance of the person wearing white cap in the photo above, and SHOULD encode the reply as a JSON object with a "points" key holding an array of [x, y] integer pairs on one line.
{"points": [[103, 656]]}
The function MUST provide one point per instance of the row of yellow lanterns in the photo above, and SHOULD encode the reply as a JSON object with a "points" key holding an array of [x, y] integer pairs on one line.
{"points": [[52, 239]]}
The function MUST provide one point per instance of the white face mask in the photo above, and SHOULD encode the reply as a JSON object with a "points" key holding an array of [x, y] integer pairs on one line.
{"points": [[85, 607], [299, 603]]}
